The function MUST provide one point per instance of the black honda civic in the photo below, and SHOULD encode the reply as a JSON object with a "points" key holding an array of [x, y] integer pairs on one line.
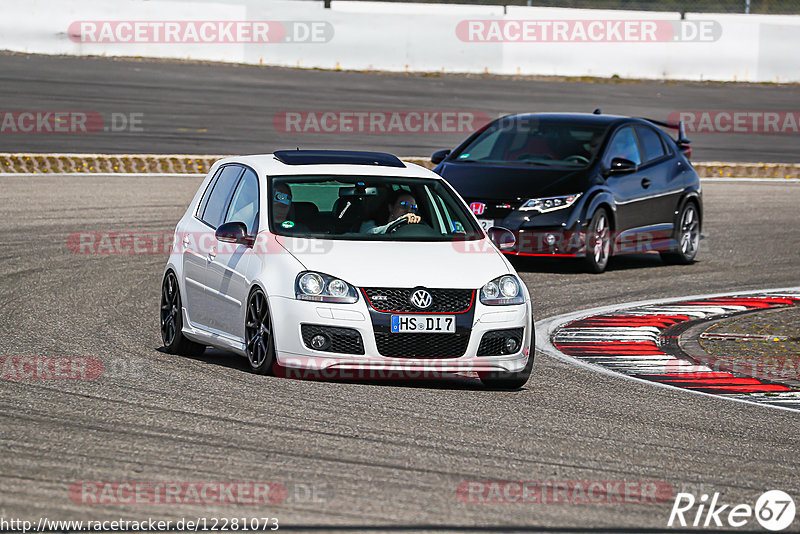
{"points": [[582, 185]]}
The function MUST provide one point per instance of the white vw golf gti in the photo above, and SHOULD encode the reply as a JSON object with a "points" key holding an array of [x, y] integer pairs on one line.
{"points": [[343, 261]]}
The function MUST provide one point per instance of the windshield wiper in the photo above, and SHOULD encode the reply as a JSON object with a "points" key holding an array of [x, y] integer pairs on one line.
{"points": [[472, 161], [533, 162]]}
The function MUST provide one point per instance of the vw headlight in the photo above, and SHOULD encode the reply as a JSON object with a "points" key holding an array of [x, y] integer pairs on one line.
{"points": [[503, 290], [323, 288], [543, 205]]}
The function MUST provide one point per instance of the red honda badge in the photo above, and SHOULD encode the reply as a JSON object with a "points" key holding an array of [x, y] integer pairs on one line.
{"points": [[477, 208]]}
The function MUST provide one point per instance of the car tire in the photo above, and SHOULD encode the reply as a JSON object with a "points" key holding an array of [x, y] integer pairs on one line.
{"points": [[171, 320], [687, 235], [259, 341], [598, 242], [508, 380]]}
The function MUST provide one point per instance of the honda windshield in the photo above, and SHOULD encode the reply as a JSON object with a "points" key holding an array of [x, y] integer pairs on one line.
{"points": [[536, 142]]}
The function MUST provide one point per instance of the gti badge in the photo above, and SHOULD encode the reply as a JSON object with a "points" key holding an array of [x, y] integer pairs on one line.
{"points": [[421, 299], [477, 208]]}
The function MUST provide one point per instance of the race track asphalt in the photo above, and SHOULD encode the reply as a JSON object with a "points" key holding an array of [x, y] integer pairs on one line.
{"points": [[374, 453], [196, 108]]}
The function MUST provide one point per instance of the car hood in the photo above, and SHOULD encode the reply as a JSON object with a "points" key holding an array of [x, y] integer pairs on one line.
{"points": [[500, 182], [464, 264]]}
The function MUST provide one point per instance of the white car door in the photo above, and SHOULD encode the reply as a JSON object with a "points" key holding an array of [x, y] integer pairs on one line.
{"points": [[200, 245], [227, 281], [194, 270]]}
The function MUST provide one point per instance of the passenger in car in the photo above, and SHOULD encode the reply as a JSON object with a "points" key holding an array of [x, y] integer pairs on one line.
{"points": [[281, 202], [591, 147], [283, 209]]}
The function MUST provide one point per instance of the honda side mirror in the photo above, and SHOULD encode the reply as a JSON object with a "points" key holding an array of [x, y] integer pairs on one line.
{"points": [[438, 156], [503, 238], [620, 166]]}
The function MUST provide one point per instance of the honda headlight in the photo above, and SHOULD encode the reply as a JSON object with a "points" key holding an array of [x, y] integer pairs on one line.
{"points": [[503, 290], [543, 205], [323, 288]]}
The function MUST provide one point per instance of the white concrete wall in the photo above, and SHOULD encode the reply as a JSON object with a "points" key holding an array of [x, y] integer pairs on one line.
{"points": [[421, 37]]}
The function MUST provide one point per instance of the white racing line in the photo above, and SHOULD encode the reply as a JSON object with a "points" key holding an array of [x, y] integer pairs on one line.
{"points": [[772, 180], [546, 330]]}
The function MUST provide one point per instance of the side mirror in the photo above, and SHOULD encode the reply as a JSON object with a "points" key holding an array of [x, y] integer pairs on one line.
{"points": [[438, 156], [233, 232], [503, 238], [620, 166]]}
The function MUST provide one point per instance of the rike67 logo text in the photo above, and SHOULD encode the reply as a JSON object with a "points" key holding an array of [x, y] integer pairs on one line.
{"points": [[774, 510]]}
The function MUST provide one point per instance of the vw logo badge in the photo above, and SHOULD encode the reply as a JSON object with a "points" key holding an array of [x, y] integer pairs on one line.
{"points": [[421, 299], [477, 208]]}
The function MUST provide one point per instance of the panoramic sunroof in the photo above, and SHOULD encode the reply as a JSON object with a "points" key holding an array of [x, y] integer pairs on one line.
{"points": [[337, 157]]}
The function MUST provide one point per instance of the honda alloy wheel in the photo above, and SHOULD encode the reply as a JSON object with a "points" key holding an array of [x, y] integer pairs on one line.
{"points": [[598, 242], [687, 236]]}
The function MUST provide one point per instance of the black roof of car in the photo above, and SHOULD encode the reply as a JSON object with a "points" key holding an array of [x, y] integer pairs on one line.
{"points": [[337, 157], [595, 118], [587, 118]]}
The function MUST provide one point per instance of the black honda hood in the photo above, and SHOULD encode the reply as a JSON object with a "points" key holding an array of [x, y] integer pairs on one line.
{"points": [[499, 182]]}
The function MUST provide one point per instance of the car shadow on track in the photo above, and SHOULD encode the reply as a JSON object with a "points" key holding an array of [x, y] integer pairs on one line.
{"points": [[218, 357], [230, 360], [460, 383], [576, 266]]}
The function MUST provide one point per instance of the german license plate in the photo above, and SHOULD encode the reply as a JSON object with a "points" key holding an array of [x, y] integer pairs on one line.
{"points": [[410, 324]]}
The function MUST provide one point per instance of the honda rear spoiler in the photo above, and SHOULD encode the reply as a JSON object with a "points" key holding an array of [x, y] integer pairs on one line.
{"points": [[683, 143]]}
